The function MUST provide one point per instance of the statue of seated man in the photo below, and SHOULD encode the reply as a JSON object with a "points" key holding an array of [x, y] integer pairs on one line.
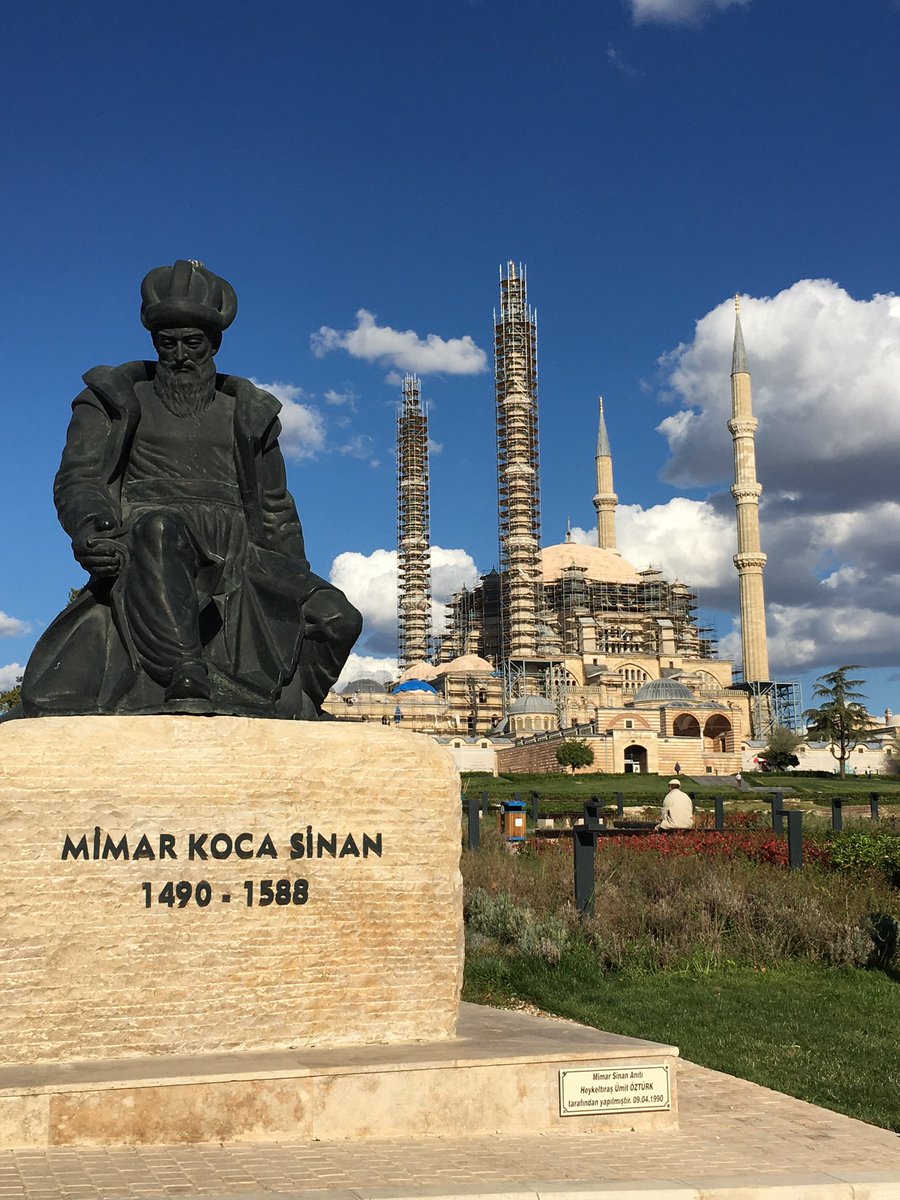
{"points": [[172, 488]]}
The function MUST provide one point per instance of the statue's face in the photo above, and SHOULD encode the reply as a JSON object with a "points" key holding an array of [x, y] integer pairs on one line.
{"points": [[185, 377], [183, 350]]}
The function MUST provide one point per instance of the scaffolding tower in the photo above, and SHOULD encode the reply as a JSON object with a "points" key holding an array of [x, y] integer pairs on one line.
{"points": [[413, 528], [772, 703], [518, 489]]}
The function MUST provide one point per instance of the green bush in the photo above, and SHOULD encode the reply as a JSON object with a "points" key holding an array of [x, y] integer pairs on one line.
{"points": [[867, 850]]}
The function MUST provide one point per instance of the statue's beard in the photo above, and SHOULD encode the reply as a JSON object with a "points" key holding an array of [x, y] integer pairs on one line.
{"points": [[186, 393]]}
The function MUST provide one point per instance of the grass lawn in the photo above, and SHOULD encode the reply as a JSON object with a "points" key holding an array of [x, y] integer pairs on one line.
{"points": [[821, 789], [827, 1035], [572, 790], [567, 787]]}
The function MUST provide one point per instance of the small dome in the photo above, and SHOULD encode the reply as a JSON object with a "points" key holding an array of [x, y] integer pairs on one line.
{"points": [[664, 691], [363, 685], [466, 663], [603, 565], [531, 704], [415, 685]]}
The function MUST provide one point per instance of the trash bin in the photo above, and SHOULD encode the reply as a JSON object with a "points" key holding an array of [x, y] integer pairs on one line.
{"points": [[513, 820]]}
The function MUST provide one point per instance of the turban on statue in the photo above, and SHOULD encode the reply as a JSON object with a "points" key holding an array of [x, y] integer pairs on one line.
{"points": [[187, 294]]}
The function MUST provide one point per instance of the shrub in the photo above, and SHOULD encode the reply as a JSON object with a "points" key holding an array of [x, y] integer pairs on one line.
{"points": [[514, 925], [867, 850], [677, 910]]}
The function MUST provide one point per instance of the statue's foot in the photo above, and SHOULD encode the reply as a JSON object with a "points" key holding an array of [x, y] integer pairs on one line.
{"points": [[190, 681]]}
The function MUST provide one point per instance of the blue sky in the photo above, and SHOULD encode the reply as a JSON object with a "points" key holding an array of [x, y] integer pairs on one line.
{"points": [[645, 158]]}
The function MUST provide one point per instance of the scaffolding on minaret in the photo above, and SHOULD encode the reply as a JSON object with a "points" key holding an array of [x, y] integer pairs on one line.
{"points": [[518, 485], [413, 529]]}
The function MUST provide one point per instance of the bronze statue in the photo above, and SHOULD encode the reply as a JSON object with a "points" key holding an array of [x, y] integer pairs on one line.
{"points": [[172, 488]]}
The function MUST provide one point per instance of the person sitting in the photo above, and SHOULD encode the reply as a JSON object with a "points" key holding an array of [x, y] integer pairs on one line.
{"points": [[678, 809]]}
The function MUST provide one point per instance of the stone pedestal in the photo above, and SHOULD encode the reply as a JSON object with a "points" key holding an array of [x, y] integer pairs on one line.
{"points": [[240, 930], [504, 1072], [192, 886]]}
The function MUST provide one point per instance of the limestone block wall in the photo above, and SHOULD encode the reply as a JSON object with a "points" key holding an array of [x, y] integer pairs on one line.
{"points": [[190, 885], [532, 758], [609, 755]]}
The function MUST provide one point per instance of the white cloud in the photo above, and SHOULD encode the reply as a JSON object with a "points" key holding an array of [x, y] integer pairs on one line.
{"points": [[826, 390], [12, 626], [9, 675], [403, 349], [687, 539], [370, 582], [680, 12], [826, 378], [302, 425], [361, 445], [345, 399], [367, 666]]}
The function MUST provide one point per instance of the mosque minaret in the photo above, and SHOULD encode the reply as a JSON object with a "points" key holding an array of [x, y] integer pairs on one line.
{"points": [[606, 499], [749, 560]]}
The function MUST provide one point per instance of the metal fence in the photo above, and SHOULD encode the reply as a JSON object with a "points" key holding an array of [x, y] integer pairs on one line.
{"points": [[593, 826]]}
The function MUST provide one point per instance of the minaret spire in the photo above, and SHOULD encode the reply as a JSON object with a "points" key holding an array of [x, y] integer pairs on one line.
{"points": [[738, 354], [606, 499], [749, 560]]}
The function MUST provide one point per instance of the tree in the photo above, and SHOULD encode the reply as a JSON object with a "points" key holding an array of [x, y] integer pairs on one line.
{"points": [[779, 752], [574, 755], [842, 720], [9, 699]]}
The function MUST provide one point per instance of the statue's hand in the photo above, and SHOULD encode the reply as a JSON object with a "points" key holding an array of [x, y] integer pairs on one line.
{"points": [[100, 556]]}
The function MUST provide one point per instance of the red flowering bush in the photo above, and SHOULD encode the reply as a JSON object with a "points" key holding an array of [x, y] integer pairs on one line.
{"points": [[757, 847]]}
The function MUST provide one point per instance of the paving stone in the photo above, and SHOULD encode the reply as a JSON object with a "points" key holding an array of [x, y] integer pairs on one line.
{"points": [[736, 1141]]}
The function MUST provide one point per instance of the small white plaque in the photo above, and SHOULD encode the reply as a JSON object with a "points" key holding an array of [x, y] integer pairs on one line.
{"points": [[614, 1089]]}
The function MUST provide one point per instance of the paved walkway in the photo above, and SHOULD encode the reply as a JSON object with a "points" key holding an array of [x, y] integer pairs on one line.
{"points": [[736, 1141]]}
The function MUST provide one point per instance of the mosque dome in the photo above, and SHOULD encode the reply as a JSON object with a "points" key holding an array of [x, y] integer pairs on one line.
{"points": [[469, 664], [419, 670], [604, 566], [415, 685], [664, 691], [531, 704], [363, 685]]}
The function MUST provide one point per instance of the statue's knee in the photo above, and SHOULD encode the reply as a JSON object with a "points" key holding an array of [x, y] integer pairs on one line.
{"points": [[330, 615], [353, 620], [160, 530]]}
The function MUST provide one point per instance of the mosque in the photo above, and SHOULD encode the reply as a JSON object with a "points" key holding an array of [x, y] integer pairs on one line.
{"points": [[570, 640]]}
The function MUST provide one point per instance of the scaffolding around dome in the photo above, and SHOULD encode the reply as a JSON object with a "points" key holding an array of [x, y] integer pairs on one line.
{"points": [[584, 612]]}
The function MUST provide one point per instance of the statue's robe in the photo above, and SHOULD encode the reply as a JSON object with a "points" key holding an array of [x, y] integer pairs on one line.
{"points": [[253, 578]]}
